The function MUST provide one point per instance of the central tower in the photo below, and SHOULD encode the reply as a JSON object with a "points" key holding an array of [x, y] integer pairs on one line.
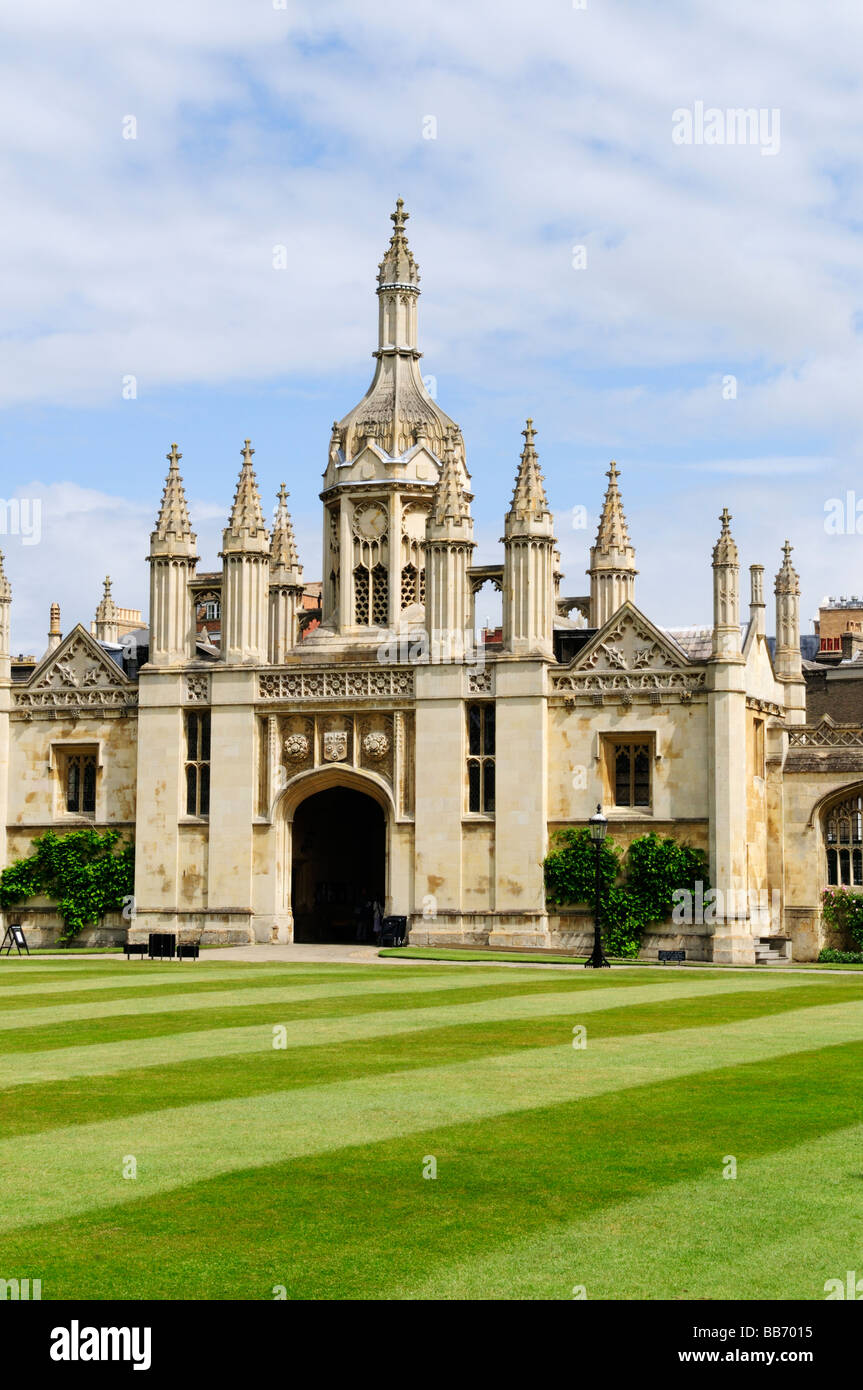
{"points": [[384, 462]]}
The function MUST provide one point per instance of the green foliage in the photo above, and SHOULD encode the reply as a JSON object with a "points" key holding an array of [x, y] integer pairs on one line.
{"points": [[80, 872], [843, 911], [570, 872], [654, 868], [830, 957]]}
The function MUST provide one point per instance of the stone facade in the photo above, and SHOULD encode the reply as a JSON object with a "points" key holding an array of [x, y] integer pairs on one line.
{"points": [[279, 764]]}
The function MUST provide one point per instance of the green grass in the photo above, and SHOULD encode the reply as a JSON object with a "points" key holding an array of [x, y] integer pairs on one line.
{"points": [[302, 1165], [443, 953]]}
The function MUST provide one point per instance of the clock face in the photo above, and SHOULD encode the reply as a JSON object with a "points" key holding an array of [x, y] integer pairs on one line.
{"points": [[371, 522]]}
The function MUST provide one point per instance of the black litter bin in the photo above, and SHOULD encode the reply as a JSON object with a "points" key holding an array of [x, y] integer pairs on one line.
{"points": [[394, 931]]}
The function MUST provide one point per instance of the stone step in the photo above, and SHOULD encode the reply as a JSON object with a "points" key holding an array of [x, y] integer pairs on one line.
{"points": [[768, 954]]}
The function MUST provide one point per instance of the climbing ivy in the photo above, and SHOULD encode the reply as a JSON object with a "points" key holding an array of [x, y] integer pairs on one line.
{"points": [[80, 872], [636, 888]]}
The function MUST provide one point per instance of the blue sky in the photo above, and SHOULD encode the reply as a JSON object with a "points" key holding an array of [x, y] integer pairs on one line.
{"points": [[257, 127]]}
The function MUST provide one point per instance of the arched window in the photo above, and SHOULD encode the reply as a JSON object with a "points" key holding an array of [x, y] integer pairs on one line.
{"points": [[380, 596], [409, 585], [361, 596], [843, 838]]}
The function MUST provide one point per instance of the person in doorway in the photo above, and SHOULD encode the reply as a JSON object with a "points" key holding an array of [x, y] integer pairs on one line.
{"points": [[363, 914], [377, 921]]}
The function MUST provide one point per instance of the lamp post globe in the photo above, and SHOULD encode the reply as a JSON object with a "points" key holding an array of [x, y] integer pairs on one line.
{"points": [[598, 825]]}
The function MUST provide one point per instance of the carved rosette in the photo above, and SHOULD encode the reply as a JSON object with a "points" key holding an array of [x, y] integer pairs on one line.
{"points": [[297, 748], [198, 688], [376, 746], [297, 744], [375, 737]]}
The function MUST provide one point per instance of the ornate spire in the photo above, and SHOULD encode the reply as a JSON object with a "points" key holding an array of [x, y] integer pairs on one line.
{"points": [[399, 410], [612, 531], [173, 519], [529, 559], [5, 612], [725, 549], [247, 517], [398, 266], [107, 610], [283, 547], [612, 558], [107, 616], [449, 502], [787, 580], [529, 499], [787, 657], [726, 594]]}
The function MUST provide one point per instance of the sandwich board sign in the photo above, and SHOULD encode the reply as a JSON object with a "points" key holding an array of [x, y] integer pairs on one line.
{"points": [[14, 937]]}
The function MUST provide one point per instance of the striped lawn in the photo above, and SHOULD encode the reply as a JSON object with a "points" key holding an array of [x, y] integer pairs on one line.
{"points": [[302, 1165]]}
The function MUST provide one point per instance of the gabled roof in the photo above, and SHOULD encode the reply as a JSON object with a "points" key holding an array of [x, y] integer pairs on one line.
{"points": [[630, 641], [79, 661]]}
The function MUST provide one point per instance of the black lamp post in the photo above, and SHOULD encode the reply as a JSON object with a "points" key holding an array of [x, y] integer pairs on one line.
{"points": [[598, 828]]}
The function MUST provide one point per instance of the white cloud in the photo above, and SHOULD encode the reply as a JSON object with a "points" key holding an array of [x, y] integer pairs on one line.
{"points": [[259, 127]]}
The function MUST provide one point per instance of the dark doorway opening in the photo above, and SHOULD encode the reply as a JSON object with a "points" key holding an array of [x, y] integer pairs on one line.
{"points": [[339, 855]]}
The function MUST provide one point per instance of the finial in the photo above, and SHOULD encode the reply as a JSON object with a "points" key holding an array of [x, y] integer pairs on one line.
{"points": [[399, 218], [283, 495], [107, 586], [725, 518], [786, 551], [529, 433], [174, 456], [247, 452], [612, 532]]}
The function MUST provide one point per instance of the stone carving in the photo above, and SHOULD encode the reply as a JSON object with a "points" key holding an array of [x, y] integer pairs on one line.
{"points": [[629, 646], [104, 697], [479, 682], [68, 675], [296, 747], [614, 655], [78, 679], [376, 745], [582, 683], [764, 706], [335, 685], [335, 746], [826, 734], [198, 688]]}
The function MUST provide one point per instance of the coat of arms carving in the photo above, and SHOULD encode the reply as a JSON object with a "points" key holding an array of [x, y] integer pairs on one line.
{"points": [[335, 746]]}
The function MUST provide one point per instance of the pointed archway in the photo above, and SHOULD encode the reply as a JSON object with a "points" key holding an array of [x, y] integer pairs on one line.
{"points": [[338, 862]]}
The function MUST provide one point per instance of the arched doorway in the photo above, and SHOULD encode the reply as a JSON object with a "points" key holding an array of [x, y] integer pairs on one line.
{"points": [[338, 861]]}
